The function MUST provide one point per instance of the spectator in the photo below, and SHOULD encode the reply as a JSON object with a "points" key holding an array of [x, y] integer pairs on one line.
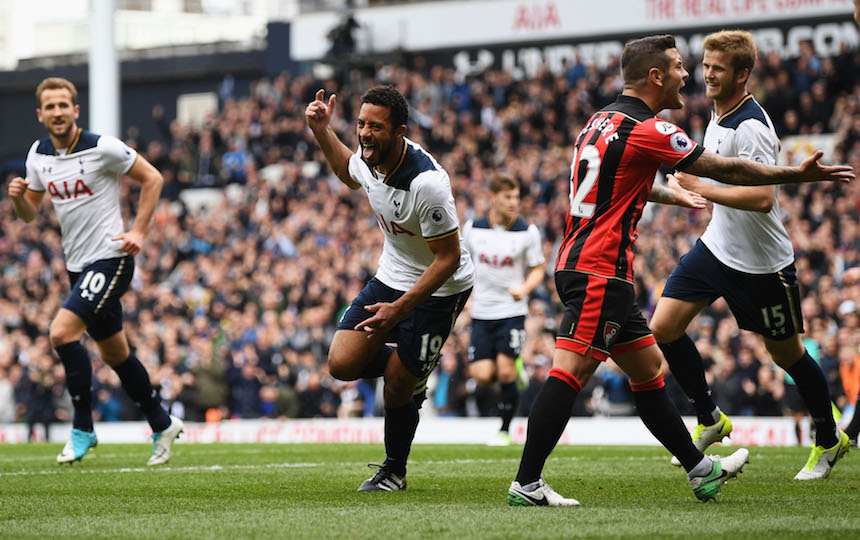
{"points": [[262, 272]]}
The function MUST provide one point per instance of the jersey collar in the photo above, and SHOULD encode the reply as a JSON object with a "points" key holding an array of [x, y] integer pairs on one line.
{"points": [[390, 174], [493, 224], [71, 146], [733, 109]]}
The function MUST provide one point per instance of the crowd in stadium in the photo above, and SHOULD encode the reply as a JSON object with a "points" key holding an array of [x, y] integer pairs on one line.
{"points": [[234, 303]]}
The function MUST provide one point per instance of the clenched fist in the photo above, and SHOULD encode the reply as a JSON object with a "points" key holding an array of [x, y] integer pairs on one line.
{"points": [[18, 187]]}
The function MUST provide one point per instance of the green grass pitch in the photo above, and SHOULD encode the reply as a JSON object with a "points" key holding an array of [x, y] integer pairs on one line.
{"points": [[309, 491]]}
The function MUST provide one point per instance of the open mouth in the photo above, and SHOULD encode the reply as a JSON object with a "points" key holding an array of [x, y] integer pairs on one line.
{"points": [[368, 152]]}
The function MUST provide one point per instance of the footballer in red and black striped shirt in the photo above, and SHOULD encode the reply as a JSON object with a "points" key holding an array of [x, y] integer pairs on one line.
{"points": [[617, 155], [616, 158]]}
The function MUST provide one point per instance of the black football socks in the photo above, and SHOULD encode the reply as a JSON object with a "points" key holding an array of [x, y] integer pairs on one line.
{"points": [[812, 386], [135, 381], [400, 425], [79, 380], [509, 396], [687, 367], [853, 428], [662, 419], [547, 420]]}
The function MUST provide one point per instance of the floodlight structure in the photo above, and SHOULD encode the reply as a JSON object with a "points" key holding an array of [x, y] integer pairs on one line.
{"points": [[104, 82]]}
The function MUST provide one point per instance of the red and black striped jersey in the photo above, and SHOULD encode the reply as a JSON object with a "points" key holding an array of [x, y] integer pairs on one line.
{"points": [[616, 156]]}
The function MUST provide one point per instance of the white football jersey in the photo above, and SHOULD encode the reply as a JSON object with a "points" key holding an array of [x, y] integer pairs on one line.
{"points": [[413, 203], [502, 257], [744, 240], [84, 187]]}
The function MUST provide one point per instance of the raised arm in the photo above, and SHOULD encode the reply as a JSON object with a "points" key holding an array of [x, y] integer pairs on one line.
{"points": [[746, 172], [318, 116], [150, 181]]}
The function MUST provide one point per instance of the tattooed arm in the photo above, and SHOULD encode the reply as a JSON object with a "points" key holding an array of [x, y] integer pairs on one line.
{"points": [[745, 172]]}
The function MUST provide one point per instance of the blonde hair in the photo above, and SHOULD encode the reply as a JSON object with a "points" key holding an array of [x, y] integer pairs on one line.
{"points": [[56, 83], [502, 182], [736, 43]]}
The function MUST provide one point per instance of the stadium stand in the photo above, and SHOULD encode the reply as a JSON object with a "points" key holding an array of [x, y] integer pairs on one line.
{"points": [[237, 295]]}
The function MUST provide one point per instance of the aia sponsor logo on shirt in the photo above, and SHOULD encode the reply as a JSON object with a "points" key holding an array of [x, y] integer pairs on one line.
{"points": [[392, 227], [62, 190], [495, 260]]}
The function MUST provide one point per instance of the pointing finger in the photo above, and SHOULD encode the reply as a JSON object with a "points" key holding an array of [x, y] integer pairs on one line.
{"points": [[320, 94]]}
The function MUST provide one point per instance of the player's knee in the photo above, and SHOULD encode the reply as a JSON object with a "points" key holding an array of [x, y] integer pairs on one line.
{"points": [[342, 367], [664, 331], [483, 379], [785, 353], [483, 374], [60, 334], [397, 390], [115, 354], [507, 373]]}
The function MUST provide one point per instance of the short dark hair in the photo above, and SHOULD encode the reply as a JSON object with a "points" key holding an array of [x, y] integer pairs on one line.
{"points": [[388, 96], [640, 55], [501, 181]]}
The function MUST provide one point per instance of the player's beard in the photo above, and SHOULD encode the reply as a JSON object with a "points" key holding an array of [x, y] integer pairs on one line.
{"points": [[724, 93], [381, 153], [61, 135], [506, 217]]}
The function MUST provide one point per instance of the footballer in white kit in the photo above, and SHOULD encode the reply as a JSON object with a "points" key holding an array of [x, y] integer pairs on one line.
{"points": [[413, 204], [509, 264], [80, 171], [425, 274], [746, 257], [83, 184]]}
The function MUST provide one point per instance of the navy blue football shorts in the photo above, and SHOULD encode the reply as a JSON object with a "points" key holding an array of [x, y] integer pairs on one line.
{"points": [[96, 292], [767, 304], [420, 334], [502, 336]]}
